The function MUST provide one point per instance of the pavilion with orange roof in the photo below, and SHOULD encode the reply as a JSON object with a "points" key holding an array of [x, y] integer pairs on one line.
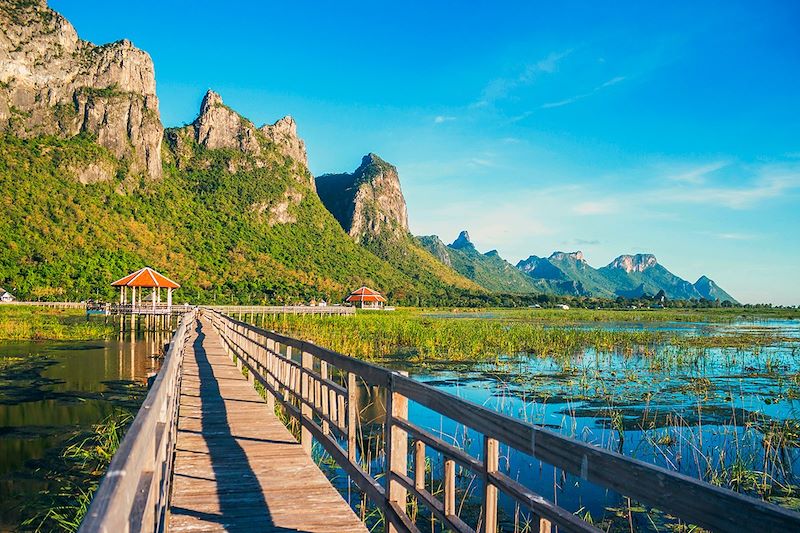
{"points": [[366, 298], [145, 278]]}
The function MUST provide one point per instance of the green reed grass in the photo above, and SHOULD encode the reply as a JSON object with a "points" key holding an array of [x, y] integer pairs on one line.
{"points": [[422, 337], [87, 459], [21, 322]]}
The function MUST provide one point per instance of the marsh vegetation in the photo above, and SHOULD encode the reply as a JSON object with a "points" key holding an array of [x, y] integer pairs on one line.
{"points": [[711, 394]]}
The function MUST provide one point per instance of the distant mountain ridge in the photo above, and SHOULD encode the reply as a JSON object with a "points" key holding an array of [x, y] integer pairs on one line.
{"points": [[568, 273]]}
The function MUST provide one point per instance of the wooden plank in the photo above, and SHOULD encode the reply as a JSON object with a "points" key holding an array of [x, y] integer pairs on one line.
{"points": [[237, 467]]}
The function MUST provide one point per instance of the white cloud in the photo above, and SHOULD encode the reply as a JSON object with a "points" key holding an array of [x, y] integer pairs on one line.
{"points": [[734, 236], [500, 88], [698, 174], [595, 207], [738, 197], [440, 119], [572, 99]]}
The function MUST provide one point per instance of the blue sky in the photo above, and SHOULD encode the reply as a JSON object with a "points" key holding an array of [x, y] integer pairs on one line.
{"points": [[669, 128]]}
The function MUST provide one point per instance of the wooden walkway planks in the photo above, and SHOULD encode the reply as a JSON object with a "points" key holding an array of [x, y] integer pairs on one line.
{"points": [[237, 468]]}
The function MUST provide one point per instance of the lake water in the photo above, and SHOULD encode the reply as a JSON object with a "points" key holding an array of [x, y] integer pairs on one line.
{"points": [[52, 391], [720, 414]]}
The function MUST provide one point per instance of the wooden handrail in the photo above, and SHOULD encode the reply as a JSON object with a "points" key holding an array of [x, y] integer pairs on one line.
{"points": [[284, 309], [134, 492], [300, 389]]}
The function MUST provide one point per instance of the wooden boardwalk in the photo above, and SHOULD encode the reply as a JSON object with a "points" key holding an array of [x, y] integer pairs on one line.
{"points": [[237, 468]]}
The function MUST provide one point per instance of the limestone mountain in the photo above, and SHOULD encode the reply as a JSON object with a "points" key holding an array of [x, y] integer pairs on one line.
{"points": [[589, 282], [367, 202], [220, 127], [709, 290], [630, 276], [370, 207], [488, 270], [639, 274], [53, 83]]}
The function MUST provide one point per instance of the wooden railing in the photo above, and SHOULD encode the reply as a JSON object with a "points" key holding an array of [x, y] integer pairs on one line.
{"points": [[326, 410], [134, 492], [141, 309], [284, 309]]}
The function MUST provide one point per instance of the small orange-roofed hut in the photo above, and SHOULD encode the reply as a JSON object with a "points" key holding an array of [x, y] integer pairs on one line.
{"points": [[145, 278], [366, 298]]}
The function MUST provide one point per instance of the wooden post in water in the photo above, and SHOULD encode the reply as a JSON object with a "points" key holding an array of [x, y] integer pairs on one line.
{"points": [[307, 394], [449, 487], [491, 460], [396, 447], [419, 464]]}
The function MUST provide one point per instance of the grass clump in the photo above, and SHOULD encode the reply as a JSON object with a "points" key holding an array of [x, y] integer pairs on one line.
{"points": [[86, 460]]}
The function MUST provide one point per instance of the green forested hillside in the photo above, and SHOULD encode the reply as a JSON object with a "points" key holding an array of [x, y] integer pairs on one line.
{"points": [[227, 227], [489, 270]]}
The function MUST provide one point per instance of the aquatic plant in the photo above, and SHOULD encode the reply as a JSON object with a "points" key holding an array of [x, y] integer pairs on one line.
{"points": [[86, 460]]}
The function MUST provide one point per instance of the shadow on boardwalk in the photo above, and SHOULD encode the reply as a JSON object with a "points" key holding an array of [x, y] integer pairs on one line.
{"points": [[238, 492]]}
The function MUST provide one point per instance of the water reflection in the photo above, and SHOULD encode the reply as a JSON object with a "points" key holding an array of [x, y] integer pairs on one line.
{"points": [[49, 391]]}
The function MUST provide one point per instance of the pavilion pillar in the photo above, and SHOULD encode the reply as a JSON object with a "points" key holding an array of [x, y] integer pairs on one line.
{"points": [[133, 298], [122, 294], [153, 297], [169, 299]]}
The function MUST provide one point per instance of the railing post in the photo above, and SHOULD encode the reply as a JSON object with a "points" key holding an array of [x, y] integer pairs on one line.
{"points": [[271, 369], [419, 464], [352, 405], [307, 394], [323, 395], [449, 487], [491, 456], [396, 447]]}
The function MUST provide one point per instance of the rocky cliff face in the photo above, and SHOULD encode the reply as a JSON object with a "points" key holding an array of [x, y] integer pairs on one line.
{"points": [[53, 83], [436, 247], [217, 126], [634, 263], [567, 256], [463, 241], [367, 203]]}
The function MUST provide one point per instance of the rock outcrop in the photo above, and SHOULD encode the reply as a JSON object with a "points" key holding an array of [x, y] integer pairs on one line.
{"points": [[219, 126], [53, 83], [367, 203], [634, 263], [462, 241], [284, 135], [567, 256], [436, 247]]}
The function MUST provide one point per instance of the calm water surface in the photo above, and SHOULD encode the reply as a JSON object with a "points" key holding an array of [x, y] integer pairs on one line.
{"points": [[53, 391], [699, 412]]}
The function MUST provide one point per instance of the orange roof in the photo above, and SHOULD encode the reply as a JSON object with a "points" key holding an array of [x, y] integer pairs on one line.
{"points": [[146, 277], [365, 294]]}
